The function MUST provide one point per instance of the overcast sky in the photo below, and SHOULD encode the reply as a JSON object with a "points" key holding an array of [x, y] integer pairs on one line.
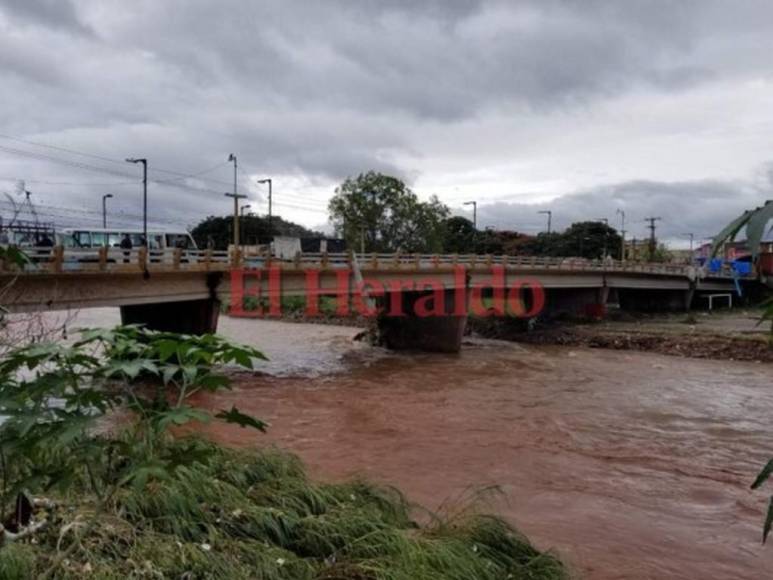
{"points": [[583, 107]]}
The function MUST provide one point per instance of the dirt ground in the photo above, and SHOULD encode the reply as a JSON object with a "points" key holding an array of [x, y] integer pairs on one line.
{"points": [[722, 335]]}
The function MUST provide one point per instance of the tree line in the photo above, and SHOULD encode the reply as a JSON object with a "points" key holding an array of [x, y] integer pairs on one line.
{"points": [[374, 212]]}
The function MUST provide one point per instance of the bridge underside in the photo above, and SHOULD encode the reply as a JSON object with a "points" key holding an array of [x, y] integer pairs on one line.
{"points": [[187, 317]]}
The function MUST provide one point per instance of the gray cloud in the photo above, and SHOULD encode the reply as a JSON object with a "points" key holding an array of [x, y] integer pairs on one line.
{"points": [[699, 207], [56, 14], [461, 98]]}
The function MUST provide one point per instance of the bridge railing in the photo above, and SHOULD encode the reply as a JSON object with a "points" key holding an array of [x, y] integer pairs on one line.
{"points": [[59, 259]]}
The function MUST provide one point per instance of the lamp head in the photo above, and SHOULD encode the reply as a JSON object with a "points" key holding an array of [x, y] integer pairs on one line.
{"points": [[231, 157]]}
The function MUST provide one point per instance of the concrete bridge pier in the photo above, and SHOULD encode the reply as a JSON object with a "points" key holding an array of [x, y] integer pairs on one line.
{"points": [[423, 320], [184, 316]]}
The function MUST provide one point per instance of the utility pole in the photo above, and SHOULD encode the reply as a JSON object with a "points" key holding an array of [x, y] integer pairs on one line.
{"points": [[692, 238], [144, 196], [242, 229], [550, 218], [268, 180], [622, 234], [653, 242], [236, 197], [104, 209], [606, 235]]}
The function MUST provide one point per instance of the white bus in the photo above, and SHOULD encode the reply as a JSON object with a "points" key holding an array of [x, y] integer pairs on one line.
{"points": [[111, 238]]}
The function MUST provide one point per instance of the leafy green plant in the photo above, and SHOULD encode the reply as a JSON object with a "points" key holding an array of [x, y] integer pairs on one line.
{"points": [[13, 256], [55, 400], [762, 477]]}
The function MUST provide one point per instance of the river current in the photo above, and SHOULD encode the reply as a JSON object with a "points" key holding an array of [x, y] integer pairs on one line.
{"points": [[628, 465]]}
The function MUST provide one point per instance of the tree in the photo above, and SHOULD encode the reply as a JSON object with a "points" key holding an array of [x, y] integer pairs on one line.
{"points": [[380, 213], [459, 236], [589, 240], [217, 232]]}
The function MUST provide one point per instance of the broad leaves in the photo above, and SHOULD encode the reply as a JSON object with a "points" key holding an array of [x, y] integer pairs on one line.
{"points": [[52, 397]]}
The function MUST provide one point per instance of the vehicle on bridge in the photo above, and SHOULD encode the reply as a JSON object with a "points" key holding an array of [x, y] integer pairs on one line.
{"points": [[111, 238]]}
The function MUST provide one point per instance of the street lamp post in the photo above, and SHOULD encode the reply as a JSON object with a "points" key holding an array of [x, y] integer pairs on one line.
{"points": [[550, 217], [622, 233], [268, 180], [236, 196], [474, 205], [104, 209], [144, 196], [606, 235]]}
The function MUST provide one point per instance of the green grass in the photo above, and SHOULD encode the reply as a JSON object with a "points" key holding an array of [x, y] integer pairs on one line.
{"points": [[256, 515]]}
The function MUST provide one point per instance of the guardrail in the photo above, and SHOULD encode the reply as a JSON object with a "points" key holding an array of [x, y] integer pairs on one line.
{"points": [[82, 260]]}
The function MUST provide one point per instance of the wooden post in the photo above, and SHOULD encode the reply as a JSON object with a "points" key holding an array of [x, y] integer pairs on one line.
{"points": [[103, 258], [142, 257], [176, 257], [58, 258]]}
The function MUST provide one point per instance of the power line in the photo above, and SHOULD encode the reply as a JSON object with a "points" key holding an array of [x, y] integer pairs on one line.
{"points": [[68, 183], [306, 203], [108, 159]]}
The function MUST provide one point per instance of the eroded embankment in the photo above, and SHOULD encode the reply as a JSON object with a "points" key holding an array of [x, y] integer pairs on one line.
{"points": [[665, 335]]}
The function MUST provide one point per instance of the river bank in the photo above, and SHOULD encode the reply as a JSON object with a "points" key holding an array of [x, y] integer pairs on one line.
{"points": [[725, 335], [721, 335]]}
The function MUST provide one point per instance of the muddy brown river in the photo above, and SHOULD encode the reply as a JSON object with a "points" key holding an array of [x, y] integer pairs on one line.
{"points": [[628, 465]]}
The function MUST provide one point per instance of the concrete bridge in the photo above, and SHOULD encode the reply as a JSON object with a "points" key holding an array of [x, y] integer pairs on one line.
{"points": [[182, 290]]}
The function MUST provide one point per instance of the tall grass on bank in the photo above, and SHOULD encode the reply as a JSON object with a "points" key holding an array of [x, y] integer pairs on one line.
{"points": [[239, 514]]}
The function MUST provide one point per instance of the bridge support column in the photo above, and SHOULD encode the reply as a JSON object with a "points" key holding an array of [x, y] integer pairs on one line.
{"points": [[188, 317], [411, 331]]}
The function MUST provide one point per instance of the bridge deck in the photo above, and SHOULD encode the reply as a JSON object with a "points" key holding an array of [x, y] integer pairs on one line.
{"points": [[58, 278], [114, 260]]}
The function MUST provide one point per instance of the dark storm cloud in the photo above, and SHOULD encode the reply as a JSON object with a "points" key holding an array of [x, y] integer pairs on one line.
{"points": [[57, 14], [321, 90]]}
